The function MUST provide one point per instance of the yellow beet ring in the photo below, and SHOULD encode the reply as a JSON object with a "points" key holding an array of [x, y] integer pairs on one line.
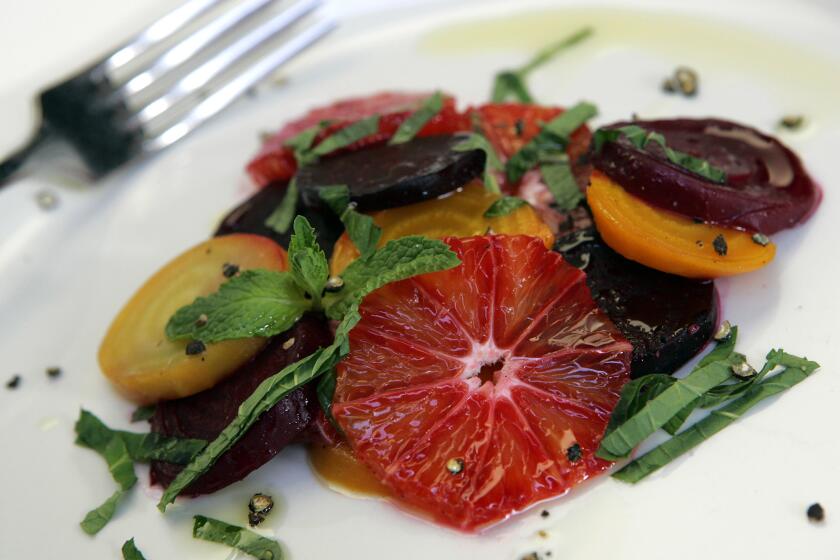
{"points": [[669, 242]]}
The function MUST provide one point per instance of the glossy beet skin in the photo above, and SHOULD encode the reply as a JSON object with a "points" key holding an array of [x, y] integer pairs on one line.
{"points": [[388, 176], [667, 318], [767, 189], [206, 414]]}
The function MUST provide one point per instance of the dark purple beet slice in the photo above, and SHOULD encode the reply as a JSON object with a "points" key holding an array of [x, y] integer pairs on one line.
{"points": [[667, 318], [250, 216], [767, 189], [206, 414], [387, 176]]}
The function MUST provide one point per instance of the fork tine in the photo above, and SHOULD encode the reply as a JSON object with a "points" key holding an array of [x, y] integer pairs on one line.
{"points": [[225, 95], [210, 69], [186, 49], [156, 32]]}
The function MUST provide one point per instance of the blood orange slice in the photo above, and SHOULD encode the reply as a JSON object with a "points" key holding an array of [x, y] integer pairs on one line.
{"points": [[476, 392]]}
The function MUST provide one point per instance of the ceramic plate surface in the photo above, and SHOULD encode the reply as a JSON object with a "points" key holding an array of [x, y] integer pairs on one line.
{"points": [[65, 273]]}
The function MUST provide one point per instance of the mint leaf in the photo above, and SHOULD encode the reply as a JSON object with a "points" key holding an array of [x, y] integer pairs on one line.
{"points": [[281, 218], [362, 230], [561, 182], [346, 136], [307, 260], [397, 260], [476, 141], [131, 552], [92, 433], [504, 206], [247, 541], [641, 138], [254, 303], [303, 140], [418, 119], [143, 413], [511, 83]]}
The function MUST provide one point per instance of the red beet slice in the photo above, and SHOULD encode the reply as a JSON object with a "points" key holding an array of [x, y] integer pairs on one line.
{"points": [[250, 216], [766, 190], [388, 176], [667, 318], [206, 414]]}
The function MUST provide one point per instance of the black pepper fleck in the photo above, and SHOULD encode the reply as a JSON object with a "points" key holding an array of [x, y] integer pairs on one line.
{"points": [[230, 270], [53, 372], [195, 347], [573, 453], [13, 383], [259, 507], [816, 513], [544, 513], [720, 245], [520, 127]]}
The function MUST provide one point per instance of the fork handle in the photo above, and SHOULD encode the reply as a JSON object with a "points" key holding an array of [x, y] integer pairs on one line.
{"points": [[13, 163]]}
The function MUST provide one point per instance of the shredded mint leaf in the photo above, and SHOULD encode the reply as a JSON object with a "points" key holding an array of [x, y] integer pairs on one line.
{"points": [[131, 552], [551, 142], [476, 141], [344, 137], [418, 119], [92, 433], [362, 230], [303, 140], [247, 541], [718, 419], [255, 303], [397, 260], [504, 206], [281, 218], [511, 83], [713, 370], [641, 138], [326, 391], [307, 260], [561, 182], [143, 413]]}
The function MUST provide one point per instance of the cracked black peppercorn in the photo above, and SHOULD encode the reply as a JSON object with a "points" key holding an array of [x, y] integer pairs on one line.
{"points": [[229, 270], [53, 372], [720, 245], [13, 382], [573, 453], [195, 347], [258, 508], [816, 513]]}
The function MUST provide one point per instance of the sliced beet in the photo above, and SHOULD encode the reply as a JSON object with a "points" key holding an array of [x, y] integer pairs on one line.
{"points": [[250, 216], [667, 318], [766, 189], [387, 176], [206, 414]]}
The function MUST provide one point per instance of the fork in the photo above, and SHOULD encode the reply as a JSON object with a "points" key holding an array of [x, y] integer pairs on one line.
{"points": [[117, 110]]}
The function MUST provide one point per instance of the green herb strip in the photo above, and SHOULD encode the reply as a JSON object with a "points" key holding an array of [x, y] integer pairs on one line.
{"points": [[397, 260], [713, 423], [254, 303], [344, 137], [504, 206], [281, 218], [713, 370], [417, 120], [131, 552], [640, 138], [492, 163], [362, 230], [239, 538], [302, 141], [143, 413], [511, 83]]}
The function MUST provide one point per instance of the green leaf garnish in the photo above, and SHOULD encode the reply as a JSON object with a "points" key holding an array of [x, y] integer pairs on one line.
{"points": [[143, 413], [303, 140], [307, 261], [131, 552], [641, 138], [399, 259], [796, 370], [326, 391], [247, 541], [418, 119], [504, 206], [713, 369], [362, 230], [511, 83], [343, 137], [254, 303], [281, 218], [561, 183], [476, 141]]}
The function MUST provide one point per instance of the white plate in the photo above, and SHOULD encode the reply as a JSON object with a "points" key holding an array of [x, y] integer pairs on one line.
{"points": [[743, 494]]}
